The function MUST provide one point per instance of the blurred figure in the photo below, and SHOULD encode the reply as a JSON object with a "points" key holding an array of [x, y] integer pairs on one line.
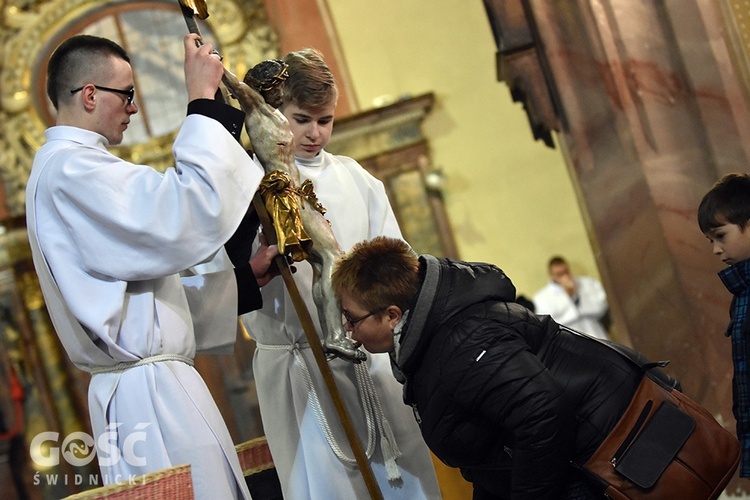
{"points": [[578, 302]]}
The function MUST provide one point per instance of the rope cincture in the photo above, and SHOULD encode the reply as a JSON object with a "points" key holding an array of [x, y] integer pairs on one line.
{"points": [[127, 365], [374, 416]]}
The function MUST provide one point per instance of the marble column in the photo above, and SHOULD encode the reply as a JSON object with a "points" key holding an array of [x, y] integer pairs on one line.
{"points": [[649, 110]]}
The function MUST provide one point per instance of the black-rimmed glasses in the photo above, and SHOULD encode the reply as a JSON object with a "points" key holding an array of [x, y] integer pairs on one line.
{"points": [[129, 94], [354, 321]]}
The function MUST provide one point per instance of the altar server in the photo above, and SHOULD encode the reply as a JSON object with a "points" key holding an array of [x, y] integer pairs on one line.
{"points": [[132, 264]]}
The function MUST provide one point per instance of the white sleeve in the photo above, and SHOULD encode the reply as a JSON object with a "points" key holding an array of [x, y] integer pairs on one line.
{"points": [[212, 299], [592, 298], [382, 219], [130, 222]]}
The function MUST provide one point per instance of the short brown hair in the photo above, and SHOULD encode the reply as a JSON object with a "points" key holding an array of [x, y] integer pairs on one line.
{"points": [[76, 59], [310, 84], [379, 273], [728, 201]]}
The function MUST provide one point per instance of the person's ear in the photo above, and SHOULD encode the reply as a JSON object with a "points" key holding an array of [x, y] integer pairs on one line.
{"points": [[394, 315], [88, 97]]}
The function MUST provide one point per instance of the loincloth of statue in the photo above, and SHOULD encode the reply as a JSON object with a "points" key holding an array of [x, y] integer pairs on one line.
{"points": [[281, 199]]}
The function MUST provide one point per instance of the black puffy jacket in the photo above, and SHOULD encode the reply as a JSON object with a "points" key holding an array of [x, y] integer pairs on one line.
{"points": [[489, 381]]}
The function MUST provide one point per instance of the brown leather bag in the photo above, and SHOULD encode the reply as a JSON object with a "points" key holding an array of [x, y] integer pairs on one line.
{"points": [[664, 446]]}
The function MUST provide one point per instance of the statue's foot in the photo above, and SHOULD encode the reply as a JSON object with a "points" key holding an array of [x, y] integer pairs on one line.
{"points": [[343, 349]]}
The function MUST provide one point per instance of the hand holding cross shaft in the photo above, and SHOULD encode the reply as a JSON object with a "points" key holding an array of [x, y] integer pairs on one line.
{"points": [[191, 11]]}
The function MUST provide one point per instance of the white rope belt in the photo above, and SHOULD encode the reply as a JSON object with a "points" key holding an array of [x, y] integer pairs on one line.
{"points": [[282, 347], [121, 367], [374, 417]]}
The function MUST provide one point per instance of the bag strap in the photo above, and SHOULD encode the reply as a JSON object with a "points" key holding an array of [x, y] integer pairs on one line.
{"points": [[649, 368]]}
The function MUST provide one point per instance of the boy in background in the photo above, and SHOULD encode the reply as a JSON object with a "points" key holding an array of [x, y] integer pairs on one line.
{"points": [[724, 217]]}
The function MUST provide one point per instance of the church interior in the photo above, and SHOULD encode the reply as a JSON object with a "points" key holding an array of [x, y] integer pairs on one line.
{"points": [[505, 131]]}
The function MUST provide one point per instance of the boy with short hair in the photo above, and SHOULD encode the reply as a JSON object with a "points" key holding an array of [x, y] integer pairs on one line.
{"points": [[724, 217], [309, 447]]}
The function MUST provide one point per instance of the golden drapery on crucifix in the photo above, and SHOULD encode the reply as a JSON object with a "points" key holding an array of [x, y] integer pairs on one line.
{"points": [[282, 204]]}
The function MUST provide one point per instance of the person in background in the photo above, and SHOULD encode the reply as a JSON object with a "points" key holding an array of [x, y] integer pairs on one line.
{"points": [[132, 263], [309, 447], [724, 217], [508, 397], [578, 302]]}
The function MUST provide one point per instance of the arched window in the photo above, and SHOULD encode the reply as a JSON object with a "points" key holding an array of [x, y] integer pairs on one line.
{"points": [[151, 31]]}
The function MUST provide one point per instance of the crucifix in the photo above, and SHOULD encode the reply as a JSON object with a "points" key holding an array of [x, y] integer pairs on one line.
{"points": [[292, 218]]}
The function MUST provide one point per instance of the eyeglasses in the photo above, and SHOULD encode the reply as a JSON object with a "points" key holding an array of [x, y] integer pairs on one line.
{"points": [[130, 93], [354, 321]]}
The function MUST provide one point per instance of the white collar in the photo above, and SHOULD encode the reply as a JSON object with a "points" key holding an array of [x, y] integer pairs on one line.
{"points": [[76, 134]]}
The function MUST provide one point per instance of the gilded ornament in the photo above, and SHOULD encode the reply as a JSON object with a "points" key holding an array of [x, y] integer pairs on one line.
{"points": [[29, 27]]}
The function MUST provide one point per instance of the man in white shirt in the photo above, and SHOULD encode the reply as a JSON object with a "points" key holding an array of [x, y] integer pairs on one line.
{"points": [[132, 263], [579, 302]]}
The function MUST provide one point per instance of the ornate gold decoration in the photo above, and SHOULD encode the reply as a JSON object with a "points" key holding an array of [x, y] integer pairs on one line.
{"points": [[307, 191], [280, 199], [199, 7], [29, 28]]}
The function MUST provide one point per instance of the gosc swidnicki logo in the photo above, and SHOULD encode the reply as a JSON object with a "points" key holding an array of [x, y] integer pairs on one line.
{"points": [[79, 448]]}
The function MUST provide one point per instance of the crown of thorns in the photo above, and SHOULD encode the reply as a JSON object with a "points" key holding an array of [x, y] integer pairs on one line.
{"points": [[267, 75]]}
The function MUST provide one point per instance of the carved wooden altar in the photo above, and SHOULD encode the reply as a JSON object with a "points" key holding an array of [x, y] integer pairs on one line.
{"points": [[388, 141]]}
